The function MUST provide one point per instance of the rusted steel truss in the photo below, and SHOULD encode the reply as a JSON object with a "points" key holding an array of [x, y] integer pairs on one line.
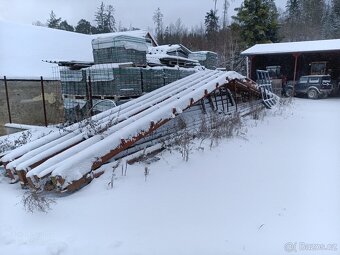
{"points": [[226, 97]]}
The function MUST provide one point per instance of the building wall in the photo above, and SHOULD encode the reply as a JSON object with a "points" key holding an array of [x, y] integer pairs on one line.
{"points": [[26, 102]]}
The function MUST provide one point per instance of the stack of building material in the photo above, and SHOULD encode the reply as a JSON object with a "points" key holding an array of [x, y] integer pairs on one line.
{"points": [[73, 82], [120, 49], [76, 109], [178, 50], [113, 80], [73, 87], [128, 82], [156, 77], [205, 58], [170, 75], [153, 78], [170, 55], [184, 72], [102, 80]]}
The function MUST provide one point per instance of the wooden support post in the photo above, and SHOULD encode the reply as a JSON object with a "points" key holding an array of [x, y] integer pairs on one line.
{"points": [[216, 103], [222, 99], [43, 100], [227, 96], [204, 110], [7, 100], [236, 103], [249, 66], [296, 56]]}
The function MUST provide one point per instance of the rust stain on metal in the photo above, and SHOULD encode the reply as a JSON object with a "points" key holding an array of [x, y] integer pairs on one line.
{"points": [[240, 88], [126, 143]]}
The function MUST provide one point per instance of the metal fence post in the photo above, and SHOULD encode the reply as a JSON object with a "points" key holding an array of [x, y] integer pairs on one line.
{"points": [[90, 96], [43, 99], [7, 100]]}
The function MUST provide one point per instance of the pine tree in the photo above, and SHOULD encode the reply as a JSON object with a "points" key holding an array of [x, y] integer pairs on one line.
{"points": [[211, 22], [53, 21], [226, 6], [83, 27], [293, 22], [65, 26], [211, 29], [104, 18], [328, 30], [110, 22], [100, 18], [336, 6], [312, 11], [335, 18], [258, 21]]}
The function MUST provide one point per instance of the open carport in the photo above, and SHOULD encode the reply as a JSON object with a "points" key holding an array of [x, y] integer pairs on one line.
{"points": [[295, 59]]}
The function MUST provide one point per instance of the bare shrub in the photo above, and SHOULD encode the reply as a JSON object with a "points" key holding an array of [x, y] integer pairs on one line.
{"points": [[113, 176], [146, 173], [8, 144], [257, 111], [34, 201], [184, 143], [283, 105], [124, 168], [92, 127], [224, 126], [213, 127]]}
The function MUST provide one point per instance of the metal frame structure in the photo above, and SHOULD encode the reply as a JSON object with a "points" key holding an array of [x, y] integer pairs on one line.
{"points": [[198, 96], [265, 85]]}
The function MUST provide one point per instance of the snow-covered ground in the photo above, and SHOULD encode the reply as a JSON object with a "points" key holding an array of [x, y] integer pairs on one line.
{"points": [[277, 186]]}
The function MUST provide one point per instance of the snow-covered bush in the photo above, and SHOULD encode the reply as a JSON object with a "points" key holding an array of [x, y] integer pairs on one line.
{"points": [[34, 201], [10, 144]]}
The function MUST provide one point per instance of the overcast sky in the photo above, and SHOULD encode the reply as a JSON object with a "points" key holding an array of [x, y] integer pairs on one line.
{"points": [[136, 13]]}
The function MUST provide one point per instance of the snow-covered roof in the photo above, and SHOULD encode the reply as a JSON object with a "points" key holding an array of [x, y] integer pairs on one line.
{"points": [[293, 47], [24, 47], [156, 58], [125, 41], [168, 48]]}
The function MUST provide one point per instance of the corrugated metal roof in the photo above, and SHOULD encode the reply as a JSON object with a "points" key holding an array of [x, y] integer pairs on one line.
{"points": [[293, 47]]}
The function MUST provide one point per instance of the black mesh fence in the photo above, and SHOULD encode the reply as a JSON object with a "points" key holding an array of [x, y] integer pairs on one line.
{"points": [[34, 101]]}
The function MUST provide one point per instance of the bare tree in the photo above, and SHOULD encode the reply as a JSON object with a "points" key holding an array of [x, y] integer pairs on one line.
{"points": [[158, 21], [226, 6]]}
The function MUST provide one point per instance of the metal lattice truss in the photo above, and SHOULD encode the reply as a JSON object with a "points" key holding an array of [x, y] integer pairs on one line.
{"points": [[264, 83], [67, 159]]}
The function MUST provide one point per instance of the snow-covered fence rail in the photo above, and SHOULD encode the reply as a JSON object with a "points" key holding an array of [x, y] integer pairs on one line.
{"points": [[71, 158]]}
